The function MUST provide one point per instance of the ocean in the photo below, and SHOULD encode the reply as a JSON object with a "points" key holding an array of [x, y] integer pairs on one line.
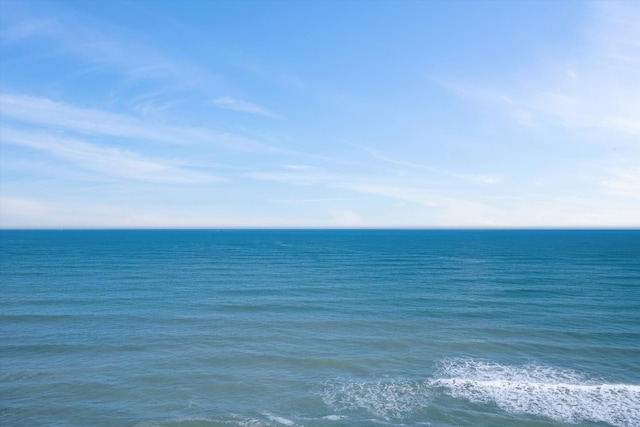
{"points": [[186, 328]]}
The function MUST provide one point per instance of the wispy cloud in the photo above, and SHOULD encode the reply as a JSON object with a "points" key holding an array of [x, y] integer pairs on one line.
{"points": [[14, 210], [19, 212], [229, 103], [107, 161], [297, 174], [408, 194], [467, 177], [437, 205], [29, 28], [441, 209], [594, 88], [625, 183], [319, 200], [45, 112], [298, 178], [71, 33], [302, 168], [346, 218], [602, 89]]}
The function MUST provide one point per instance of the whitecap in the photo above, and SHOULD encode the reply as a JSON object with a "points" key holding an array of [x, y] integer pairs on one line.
{"points": [[385, 399], [279, 420], [561, 395], [333, 417]]}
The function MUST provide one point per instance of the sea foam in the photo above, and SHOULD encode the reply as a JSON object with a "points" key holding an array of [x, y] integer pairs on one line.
{"points": [[558, 394], [562, 395], [387, 399], [279, 420]]}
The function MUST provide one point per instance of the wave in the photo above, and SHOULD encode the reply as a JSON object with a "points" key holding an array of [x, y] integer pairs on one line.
{"points": [[561, 395], [385, 399], [279, 420], [270, 420]]}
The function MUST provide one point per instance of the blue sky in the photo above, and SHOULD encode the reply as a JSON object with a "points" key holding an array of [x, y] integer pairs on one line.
{"points": [[210, 114]]}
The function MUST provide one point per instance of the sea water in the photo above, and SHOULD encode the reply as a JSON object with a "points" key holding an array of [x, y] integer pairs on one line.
{"points": [[186, 328]]}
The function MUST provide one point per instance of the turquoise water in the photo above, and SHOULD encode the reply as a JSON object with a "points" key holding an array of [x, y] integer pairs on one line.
{"points": [[320, 328]]}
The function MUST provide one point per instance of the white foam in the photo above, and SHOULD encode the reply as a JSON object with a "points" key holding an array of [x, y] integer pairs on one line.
{"points": [[279, 420], [562, 395], [235, 421], [384, 399], [249, 422], [333, 417]]}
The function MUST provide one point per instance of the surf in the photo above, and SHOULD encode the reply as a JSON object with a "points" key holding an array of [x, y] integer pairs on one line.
{"points": [[561, 395]]}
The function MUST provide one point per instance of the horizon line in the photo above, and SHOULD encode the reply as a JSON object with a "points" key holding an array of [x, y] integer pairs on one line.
{"points": [[335, 228]]}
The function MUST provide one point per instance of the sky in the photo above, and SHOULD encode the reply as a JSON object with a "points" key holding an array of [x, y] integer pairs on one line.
{"points": [[319, 114]]}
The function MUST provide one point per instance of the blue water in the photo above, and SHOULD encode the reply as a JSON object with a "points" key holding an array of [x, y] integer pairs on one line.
{"points": [[319, 328]]}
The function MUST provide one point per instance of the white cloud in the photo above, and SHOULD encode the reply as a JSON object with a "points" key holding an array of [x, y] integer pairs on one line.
{"points": [[29, 28], [19, 211], [32, 213], [523, 117], [318, 200], [303, 168], [600, 90], [108, 161], [70, 33], [302, 178], [467, 177], [244, 107], [346, 218], [597, 87], [542, 210], [626, 183], [45, 112], [408, 194]]}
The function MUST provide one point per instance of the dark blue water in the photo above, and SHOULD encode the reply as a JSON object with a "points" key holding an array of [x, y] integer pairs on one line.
{"points": [[320, 328]]}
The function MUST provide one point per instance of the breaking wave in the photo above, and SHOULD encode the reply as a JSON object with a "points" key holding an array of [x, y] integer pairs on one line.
{"points": [[384, 399], [561, 395]]}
